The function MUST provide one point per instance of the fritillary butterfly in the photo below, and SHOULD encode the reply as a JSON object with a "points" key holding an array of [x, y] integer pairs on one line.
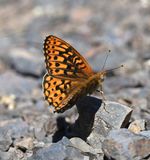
{"points": [[69, 76]]}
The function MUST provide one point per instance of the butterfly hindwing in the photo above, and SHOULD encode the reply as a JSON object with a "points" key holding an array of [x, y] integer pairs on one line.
{"points": [[62, 94], [63, 61]]}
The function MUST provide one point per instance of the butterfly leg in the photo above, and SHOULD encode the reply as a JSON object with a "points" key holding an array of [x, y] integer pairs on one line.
{"points": [[103, 98], [102, 93]]}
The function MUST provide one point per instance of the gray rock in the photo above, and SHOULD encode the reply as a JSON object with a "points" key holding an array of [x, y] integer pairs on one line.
{"points": [[145, 133], [39, 133], [17, 85], [40, 121], [114, 114], [125, 145], [6, 156], [16, 127], [5, 140], [111, 115], [82, 145], [87, 149], [58, 151], [26, 63], [43, 125]]}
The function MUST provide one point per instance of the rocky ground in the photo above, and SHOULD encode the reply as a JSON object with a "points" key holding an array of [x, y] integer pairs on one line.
{"points": [[120, 129]]}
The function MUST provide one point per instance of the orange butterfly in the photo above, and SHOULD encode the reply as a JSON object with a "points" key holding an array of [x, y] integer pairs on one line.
{"points": [[69, 76]]}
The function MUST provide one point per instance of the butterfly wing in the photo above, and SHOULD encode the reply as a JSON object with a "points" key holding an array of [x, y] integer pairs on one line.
{"points": [[67, 73], [63, 61], [60, 93]]}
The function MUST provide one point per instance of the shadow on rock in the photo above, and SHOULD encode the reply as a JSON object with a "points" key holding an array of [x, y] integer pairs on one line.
{"points": [[87, 108], [62, 125]]}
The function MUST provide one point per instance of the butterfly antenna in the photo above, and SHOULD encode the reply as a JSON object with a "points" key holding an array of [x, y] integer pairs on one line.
{"points": [[106, 59], [109, 70]]}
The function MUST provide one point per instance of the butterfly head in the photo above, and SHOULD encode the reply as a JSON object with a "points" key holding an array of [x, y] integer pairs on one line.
{"points": [[102, 75]]}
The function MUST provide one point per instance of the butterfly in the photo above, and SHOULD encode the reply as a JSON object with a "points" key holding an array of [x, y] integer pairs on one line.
{"points": [[69, 76]]}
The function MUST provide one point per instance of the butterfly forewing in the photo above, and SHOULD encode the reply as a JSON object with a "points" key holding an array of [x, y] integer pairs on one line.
{"points": [[63, 61]]}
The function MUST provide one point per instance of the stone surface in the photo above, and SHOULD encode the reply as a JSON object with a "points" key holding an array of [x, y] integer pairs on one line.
{"points": [[16, 128], [20, 85], [74, 148], [87, 149], [5, 140], [145, 133], [123, 144], [114, 114], [62, 147], [24, 143], [111, 115], [28, 64], [137, 126], [6, 156], [92, 28], [11, 154]]}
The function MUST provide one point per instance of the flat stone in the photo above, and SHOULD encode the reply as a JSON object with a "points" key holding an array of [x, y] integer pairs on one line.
{"points": [[86, 148], [25, 62], [123, 144], [18, 85], [82, 145], [111, 115]]}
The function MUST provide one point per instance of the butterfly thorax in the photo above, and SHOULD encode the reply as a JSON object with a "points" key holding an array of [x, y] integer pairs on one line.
{"points": [[94, 82]]}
